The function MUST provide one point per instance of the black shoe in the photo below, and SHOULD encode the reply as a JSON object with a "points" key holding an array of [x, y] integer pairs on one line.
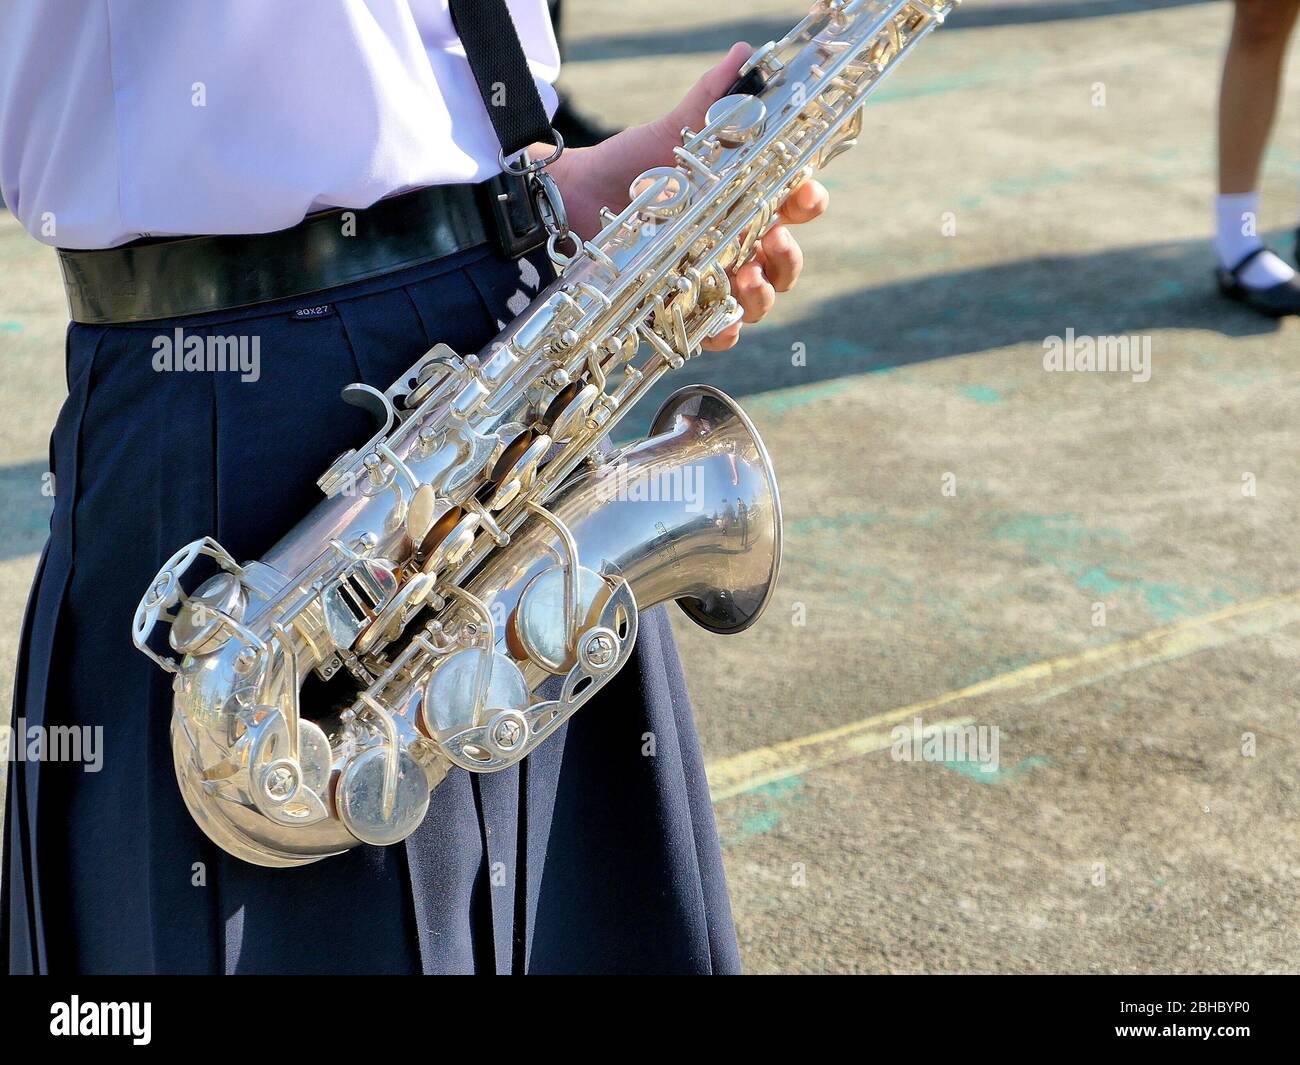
{"points": [[576, 128], [1277, 301]]}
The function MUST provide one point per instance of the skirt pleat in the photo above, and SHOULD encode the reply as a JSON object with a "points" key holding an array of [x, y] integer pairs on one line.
{"points": [[593, 858]]}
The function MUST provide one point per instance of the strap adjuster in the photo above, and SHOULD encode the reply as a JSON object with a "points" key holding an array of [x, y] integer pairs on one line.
{"points": [[511, 211]]}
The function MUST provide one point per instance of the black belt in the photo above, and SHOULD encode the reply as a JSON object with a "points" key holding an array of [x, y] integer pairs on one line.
{"points": [[168, 278]]}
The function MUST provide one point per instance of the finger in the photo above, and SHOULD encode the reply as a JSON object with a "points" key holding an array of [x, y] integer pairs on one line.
{"points": [[753, 291], [724, 341], [807, 202], [781, 258], [712, 86]]}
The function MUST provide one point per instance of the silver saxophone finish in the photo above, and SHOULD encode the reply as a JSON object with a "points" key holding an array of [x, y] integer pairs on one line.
{"points": [[480, 543]]}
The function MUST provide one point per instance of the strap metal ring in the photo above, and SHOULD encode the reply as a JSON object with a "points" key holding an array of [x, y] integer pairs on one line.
{"points": [[531, 166]]}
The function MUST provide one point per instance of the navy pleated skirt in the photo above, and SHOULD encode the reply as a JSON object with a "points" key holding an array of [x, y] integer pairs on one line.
{"points": [[590, 857]]}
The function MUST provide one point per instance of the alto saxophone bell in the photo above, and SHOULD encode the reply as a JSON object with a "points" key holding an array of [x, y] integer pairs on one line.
{"points": [[750, 535]]}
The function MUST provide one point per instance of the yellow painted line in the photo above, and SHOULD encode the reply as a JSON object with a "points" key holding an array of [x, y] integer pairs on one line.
{"points": [[733, 776]]}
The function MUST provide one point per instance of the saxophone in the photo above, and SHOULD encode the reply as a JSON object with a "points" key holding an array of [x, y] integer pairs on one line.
{"points": [[481, 542]]}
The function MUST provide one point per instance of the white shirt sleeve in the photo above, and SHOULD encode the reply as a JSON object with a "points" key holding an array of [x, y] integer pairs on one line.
{"points": [[127, 118]]}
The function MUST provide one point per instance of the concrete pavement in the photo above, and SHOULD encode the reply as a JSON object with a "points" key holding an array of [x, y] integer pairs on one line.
{"points": [[956, 515]]}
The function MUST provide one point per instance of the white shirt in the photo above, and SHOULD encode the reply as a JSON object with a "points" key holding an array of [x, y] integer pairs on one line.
{"points": [[127, 118]]}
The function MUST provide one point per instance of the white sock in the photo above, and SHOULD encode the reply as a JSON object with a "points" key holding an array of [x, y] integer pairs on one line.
{"points": [[1237, 215]]}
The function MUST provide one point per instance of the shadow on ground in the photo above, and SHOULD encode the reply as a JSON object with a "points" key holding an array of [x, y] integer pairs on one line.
{"points": [[1117, 292], [24, 509]]}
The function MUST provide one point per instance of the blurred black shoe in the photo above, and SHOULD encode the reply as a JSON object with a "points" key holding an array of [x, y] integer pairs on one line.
{"points": [[1276, 301], [577, 129]]}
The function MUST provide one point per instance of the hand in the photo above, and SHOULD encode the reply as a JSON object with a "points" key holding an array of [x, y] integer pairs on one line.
{"points": [[599, 176]]}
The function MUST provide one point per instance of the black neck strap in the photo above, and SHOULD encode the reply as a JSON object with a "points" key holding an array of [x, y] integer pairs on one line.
{"points": [[504, 81]]}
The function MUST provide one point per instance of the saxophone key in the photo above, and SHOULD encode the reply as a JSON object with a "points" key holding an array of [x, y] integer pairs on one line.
{"points": [[457, 697], [517, 468], [367, 812], [420, 513], [198, 627], [449, 540], [568, 411], [542, 630], [736, 120]]}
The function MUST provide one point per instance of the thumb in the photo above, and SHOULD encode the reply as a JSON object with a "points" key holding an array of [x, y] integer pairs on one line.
{"points": [[712, 86]]}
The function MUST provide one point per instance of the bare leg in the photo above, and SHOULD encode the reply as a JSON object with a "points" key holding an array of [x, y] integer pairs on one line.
{"points": [[1252, 81], [1252, 75]]}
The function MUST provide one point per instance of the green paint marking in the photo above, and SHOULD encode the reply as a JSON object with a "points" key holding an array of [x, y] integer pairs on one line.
{"points": [[981, 393], [975, 771], [1046, 536], [1014, 69], [858, 519], [1166, 602], [761, 822], [1017, 188], [1062, 542], [788, 399], [841, 348], [1102, 583], [757, 825], [913, 88], [11, 327], [786, 788], [1243, 378], [806, 526]]}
